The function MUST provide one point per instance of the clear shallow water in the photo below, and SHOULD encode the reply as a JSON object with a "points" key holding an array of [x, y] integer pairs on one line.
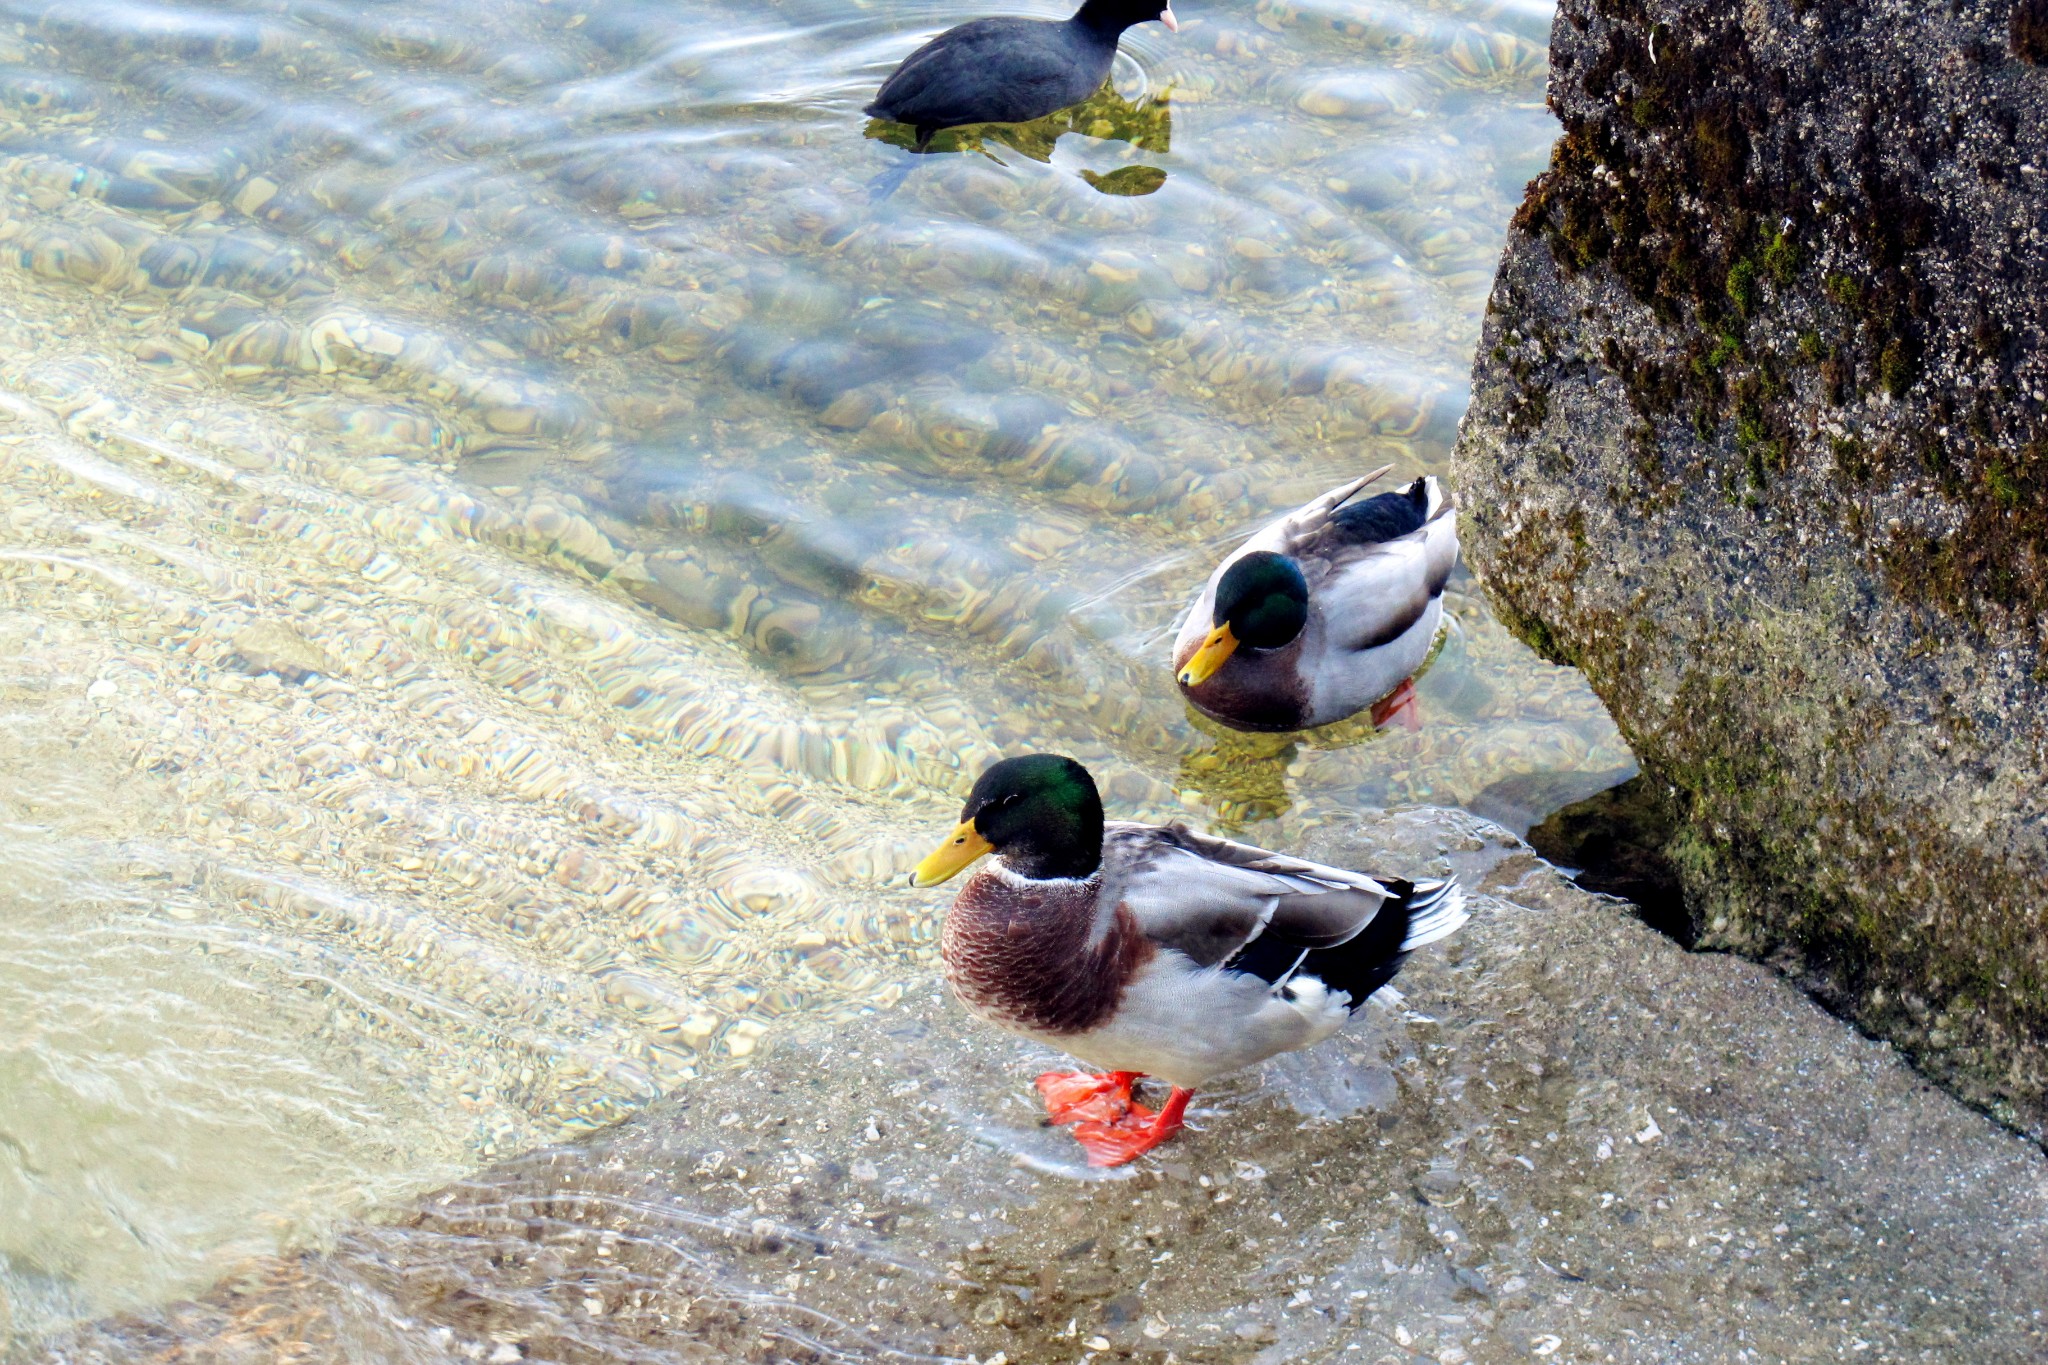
{"points": [[507, 550]]}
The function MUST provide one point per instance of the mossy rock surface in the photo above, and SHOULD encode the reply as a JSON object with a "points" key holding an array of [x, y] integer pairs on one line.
{"points": [[1759, 440]]}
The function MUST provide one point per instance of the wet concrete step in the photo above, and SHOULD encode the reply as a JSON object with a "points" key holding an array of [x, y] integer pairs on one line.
{"points": [[1570, 1141]]}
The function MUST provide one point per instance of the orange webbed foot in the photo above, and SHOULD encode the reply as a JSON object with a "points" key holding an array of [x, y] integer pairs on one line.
{"points": [[1399, 707], [1138, 1132], [1076, 1096]]}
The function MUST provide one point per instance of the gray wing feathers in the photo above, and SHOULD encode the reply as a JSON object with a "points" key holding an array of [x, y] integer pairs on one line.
{"points": [[1372, 593], [1440, 535], [1307, 521], [1208, 897]]}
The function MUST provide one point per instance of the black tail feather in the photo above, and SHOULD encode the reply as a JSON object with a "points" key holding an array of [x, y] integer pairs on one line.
{"points": [[1388, 516]]}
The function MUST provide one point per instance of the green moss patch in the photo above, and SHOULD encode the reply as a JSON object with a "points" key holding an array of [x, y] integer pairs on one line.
{"points": [[1680, 171], [1757, 444]]}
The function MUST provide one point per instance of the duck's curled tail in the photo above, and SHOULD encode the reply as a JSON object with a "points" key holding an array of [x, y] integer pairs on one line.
{"points": [[1436, 910]]}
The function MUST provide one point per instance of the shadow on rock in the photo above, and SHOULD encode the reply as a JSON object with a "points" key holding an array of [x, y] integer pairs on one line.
{"points": [[1614, 842]]}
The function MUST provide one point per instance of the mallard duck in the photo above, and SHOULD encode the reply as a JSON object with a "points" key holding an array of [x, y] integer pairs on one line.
{"points": [[1153, 950], [1010, 70], [1325, 612]]}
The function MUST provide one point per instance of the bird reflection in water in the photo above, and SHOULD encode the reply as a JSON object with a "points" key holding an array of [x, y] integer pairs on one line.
{"points": [[1106, 116], [1243, 775]]}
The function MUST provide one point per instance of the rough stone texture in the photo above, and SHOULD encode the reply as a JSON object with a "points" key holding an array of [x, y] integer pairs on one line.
{"points": [[1573, 1141], [1758, 442]]}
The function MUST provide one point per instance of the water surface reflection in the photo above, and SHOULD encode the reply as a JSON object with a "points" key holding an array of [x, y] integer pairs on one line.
{"points": [[1105, 117]]}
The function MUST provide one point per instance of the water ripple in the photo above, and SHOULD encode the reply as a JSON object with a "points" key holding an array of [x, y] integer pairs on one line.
{"points": [[507, 550]]}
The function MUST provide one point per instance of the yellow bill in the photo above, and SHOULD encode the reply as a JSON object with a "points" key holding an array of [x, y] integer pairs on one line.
{"points": [[962, 847], [1220, 645]]}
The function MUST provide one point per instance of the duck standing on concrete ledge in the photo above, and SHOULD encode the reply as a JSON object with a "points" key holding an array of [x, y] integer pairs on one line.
{"points": [[1151, 950], [1010, 70], [1325, 612]]}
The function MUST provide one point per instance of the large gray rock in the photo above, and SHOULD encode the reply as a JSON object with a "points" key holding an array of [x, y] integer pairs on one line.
{"points": [[1571, 1142], [1759, 441]]}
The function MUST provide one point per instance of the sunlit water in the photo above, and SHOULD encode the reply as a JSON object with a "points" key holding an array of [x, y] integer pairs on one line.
{"points": [[509, 546]]}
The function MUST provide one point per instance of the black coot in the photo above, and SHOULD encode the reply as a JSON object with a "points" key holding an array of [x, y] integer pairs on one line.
{"points": [[1010, 70]]}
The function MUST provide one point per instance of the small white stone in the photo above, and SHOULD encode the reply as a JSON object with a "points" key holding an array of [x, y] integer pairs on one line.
{"points": [[253, 195], [505, 1354], [101, 690]]}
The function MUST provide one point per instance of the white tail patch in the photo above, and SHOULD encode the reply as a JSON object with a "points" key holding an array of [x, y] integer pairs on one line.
{"points": [[1324, 1009], [1436, 911]]}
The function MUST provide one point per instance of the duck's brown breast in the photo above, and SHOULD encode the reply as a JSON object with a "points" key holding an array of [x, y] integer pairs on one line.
{"points": [[1263, 691], [1019, 953]]}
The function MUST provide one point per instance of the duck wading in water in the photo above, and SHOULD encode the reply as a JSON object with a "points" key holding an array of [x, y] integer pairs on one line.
{"points": [[1151, 950], [1323, 613]]}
